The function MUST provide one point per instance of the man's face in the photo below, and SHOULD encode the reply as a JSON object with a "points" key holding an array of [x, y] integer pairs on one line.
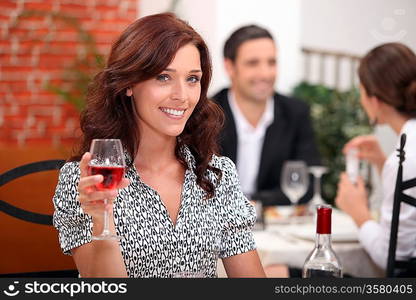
{"points": [[253, 73]]}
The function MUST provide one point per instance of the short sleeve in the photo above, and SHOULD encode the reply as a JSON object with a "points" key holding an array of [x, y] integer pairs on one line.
{"points": [[239, 215], [74, 227]]}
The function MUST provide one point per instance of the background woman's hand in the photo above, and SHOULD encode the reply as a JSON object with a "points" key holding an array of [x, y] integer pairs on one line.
{"points": [[368, 149], [92, 199], [352, 199]]}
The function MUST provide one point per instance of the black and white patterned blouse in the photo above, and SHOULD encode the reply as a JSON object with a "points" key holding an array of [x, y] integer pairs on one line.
{"points": [[152, 246]]}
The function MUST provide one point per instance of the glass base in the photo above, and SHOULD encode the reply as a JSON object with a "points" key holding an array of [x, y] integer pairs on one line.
{"points": [[106, 236]]}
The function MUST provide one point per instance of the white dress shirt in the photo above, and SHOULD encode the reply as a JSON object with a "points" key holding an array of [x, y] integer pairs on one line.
{"points": [[375, 236], [250, 143]]}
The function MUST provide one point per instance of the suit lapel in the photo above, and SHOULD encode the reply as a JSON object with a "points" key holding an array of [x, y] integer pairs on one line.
{"points": [[229, 134]]}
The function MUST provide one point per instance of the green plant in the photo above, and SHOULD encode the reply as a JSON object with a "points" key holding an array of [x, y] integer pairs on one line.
{"points": [[79, 73], [337, 117]]}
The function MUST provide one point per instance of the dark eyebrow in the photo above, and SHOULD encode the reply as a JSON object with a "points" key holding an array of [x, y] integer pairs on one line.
{"points": [[173, 70]]}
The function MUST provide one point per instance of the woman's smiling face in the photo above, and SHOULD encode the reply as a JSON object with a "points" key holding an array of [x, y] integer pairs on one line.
{"points": [[165, 103]]}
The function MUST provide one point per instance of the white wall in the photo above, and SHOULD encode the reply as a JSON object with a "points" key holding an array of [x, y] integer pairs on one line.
{"points": [[357, 25]]}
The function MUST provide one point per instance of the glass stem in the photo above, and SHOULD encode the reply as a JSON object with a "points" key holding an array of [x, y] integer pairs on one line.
{"points": [[106, 230], [317, 186]]}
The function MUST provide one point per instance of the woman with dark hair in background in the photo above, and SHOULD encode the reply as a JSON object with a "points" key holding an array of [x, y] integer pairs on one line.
{"points": [[180, 205], [388, 94]]}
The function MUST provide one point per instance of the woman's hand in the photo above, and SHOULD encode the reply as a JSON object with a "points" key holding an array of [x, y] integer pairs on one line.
{"points": [[368, 149], [100, 258], [352, 199], [91, 199]]}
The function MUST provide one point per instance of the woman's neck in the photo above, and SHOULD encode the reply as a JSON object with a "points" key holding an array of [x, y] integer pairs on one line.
{"points": [[392, 117], [397, 122], [155, 152]]}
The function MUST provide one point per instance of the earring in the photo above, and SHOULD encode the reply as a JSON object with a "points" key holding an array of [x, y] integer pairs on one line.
{"points": [[129, 92]]}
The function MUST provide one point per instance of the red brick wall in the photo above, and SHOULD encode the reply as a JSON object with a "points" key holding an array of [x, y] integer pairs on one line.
{"points": [[36, 124], [35, 51]]}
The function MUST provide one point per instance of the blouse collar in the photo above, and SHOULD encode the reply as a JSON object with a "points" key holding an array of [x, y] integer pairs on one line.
{"points": [[186, 152]]}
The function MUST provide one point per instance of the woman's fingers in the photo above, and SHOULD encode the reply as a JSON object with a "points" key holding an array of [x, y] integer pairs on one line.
{"points": [[360, 141], [357, 141], [86, 183], [97, 209], [345, 181], [98, 195], [91, 199], [94, 204], [89, 181], [83, 164], [354, 143], [87, 190]]}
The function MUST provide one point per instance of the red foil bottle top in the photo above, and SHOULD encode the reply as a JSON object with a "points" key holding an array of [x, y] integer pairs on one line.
{"points": [[323, 224]]}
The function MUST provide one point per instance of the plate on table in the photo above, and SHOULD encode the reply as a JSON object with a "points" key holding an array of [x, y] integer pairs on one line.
{"points": [[343, 229], [340, 237], [286, 214]]}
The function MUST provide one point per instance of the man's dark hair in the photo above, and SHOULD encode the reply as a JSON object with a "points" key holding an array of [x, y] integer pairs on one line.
{"points": [[242, 35]]}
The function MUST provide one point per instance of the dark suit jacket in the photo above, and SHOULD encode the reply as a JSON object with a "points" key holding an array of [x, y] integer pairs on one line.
{"points": [[289, 137]]}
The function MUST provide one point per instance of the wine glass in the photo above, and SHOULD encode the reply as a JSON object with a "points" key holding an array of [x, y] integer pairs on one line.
{"points": [[107, 159], [258, 206], [317, 172], [294, 180]]}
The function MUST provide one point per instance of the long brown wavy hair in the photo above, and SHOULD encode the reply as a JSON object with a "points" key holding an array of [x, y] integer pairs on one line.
{"points": [[143, 51]]}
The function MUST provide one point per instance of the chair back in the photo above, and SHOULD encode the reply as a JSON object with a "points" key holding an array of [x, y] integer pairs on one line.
{"points": [[397, 267], [30, 216]]}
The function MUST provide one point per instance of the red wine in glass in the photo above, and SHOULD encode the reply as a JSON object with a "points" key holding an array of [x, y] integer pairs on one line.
{"points": [[112, 176], [107, 159]]}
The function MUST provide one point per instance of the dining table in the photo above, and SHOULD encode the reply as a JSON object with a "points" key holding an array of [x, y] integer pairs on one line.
{"points": [[288, 240]]}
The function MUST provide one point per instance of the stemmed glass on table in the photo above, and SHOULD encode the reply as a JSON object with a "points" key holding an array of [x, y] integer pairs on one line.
{"points": [[317, 172], [294, 181], [107, 159]]}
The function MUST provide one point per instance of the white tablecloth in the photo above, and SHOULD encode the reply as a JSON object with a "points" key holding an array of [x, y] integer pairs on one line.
{"points": [[290, 244]]}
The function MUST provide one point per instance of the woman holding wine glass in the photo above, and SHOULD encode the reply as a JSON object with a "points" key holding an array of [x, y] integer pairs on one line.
{"points": [[388, 94], [179, 206]]}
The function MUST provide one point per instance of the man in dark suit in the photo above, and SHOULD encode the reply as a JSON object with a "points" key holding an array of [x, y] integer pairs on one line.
{"points": [[263, 129]]}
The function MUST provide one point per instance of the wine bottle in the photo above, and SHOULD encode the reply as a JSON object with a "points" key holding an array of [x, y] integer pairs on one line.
{"points": [[322, 261]]}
